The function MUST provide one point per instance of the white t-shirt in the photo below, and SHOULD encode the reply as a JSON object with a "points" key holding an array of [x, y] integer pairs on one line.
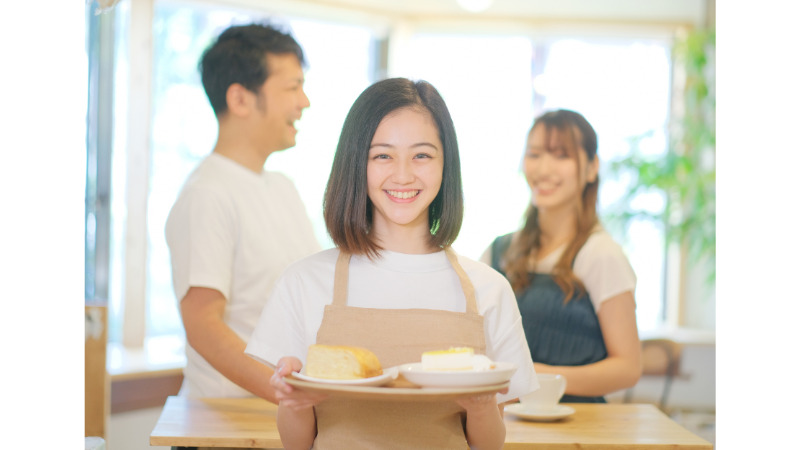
{"points": [[235, 231], [600, 264], [289, 322]]}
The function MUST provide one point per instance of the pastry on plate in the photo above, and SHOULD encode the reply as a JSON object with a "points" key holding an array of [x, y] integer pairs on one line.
{"points": [[341, 362]]}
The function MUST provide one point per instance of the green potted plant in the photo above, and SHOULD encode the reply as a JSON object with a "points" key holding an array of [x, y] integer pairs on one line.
{"points": [[685, 176]]}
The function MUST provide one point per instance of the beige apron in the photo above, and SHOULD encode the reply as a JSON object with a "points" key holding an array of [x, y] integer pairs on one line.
{"points": [[396, 336]]}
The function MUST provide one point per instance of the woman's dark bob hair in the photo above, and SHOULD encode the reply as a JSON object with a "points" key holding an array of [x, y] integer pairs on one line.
{"points": [[347, 208]]}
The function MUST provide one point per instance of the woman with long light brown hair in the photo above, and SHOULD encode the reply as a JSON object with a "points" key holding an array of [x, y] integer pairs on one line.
{"points": [[574, 285]]}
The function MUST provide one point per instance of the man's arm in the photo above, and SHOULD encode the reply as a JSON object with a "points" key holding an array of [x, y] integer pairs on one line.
{"points": [[202, 310]]}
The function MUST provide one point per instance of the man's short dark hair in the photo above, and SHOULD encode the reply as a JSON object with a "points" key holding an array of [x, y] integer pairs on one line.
{"points": [[239, 55]]}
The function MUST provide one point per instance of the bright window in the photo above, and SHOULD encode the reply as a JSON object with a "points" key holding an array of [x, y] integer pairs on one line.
{"points": [[495, 86], [489, 98], [184, 131], [622, 100]]}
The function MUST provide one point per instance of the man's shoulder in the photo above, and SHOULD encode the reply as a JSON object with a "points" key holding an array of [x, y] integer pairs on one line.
{"points": [[216, 175], [278, 180], [319, 264]]}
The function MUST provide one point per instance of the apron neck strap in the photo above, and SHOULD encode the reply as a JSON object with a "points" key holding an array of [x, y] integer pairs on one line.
{"points": [[466, 285], [342, 273], [340, 279]]}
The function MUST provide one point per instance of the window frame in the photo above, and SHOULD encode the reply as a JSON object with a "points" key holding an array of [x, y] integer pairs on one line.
{"points": [[134, 139]]}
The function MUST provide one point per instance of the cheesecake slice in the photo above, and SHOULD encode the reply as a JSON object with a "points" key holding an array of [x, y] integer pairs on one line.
{"points": [[455, 358]]}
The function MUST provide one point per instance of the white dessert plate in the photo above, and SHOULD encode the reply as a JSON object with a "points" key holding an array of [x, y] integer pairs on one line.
{"points": [[388, 376], [501, 373], [526, 412]]}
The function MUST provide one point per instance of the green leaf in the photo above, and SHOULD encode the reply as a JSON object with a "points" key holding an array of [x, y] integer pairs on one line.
{"points": [[685, 175]]}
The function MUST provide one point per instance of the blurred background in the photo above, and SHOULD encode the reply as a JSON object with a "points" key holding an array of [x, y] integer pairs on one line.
{"points": [[643, 73]]}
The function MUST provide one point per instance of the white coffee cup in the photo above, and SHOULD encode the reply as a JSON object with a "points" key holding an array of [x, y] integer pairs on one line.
{"points": [[551, 389]]}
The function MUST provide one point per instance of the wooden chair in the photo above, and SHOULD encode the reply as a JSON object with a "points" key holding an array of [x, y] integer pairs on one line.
{"points": [[97, 385], [662, 358]]}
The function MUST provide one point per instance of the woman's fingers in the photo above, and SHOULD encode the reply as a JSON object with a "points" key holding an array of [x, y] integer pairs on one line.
{"points": [[286, 394]]}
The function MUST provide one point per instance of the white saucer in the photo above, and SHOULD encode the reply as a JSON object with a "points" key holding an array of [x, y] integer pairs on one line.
{"points": [[523, 412]]}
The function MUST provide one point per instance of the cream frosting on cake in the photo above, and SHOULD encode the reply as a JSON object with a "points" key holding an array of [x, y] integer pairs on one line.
{"points": [[482, 362], [455, 358]]}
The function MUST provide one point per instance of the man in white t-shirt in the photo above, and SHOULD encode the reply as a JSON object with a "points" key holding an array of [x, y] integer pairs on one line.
{"points": [[235, 227]]}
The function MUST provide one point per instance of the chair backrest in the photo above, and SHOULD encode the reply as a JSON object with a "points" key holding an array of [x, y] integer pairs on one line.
{"points": [[660, 357], [97, 389]]}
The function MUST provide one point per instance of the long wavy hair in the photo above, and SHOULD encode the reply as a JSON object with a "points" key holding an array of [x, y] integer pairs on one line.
{"points": [[579, 135]]}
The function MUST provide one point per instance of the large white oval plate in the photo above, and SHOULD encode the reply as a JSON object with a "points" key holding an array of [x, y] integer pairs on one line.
{"points": [[388, 376], [501, 373]]}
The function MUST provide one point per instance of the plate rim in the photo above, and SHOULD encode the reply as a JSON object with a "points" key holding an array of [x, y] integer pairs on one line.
{"points": [[393, 393], [439, 379], [389, 374], [506, 366]]}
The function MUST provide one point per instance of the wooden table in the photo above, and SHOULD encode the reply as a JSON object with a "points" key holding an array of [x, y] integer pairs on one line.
{"points": [[604, 426], [250, 423]]}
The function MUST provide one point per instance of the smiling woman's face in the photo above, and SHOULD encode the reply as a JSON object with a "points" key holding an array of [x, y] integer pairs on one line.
{"points": [[404, 170], [557, 168]]}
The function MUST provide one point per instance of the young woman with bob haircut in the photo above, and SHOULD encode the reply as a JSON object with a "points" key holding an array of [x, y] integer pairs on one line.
{"points": [[393, 285], [347, 211]]}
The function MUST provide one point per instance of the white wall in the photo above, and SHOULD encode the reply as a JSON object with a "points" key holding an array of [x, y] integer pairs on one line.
{"points": [[42, 197]]}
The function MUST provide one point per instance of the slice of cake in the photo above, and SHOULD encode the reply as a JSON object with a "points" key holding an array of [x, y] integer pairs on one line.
{"points": [[482, 362], [341, 362], [455, 358]]}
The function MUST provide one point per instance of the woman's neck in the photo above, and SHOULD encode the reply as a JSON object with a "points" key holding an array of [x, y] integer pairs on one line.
{"points": [[557, 228], [412, 241]]}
